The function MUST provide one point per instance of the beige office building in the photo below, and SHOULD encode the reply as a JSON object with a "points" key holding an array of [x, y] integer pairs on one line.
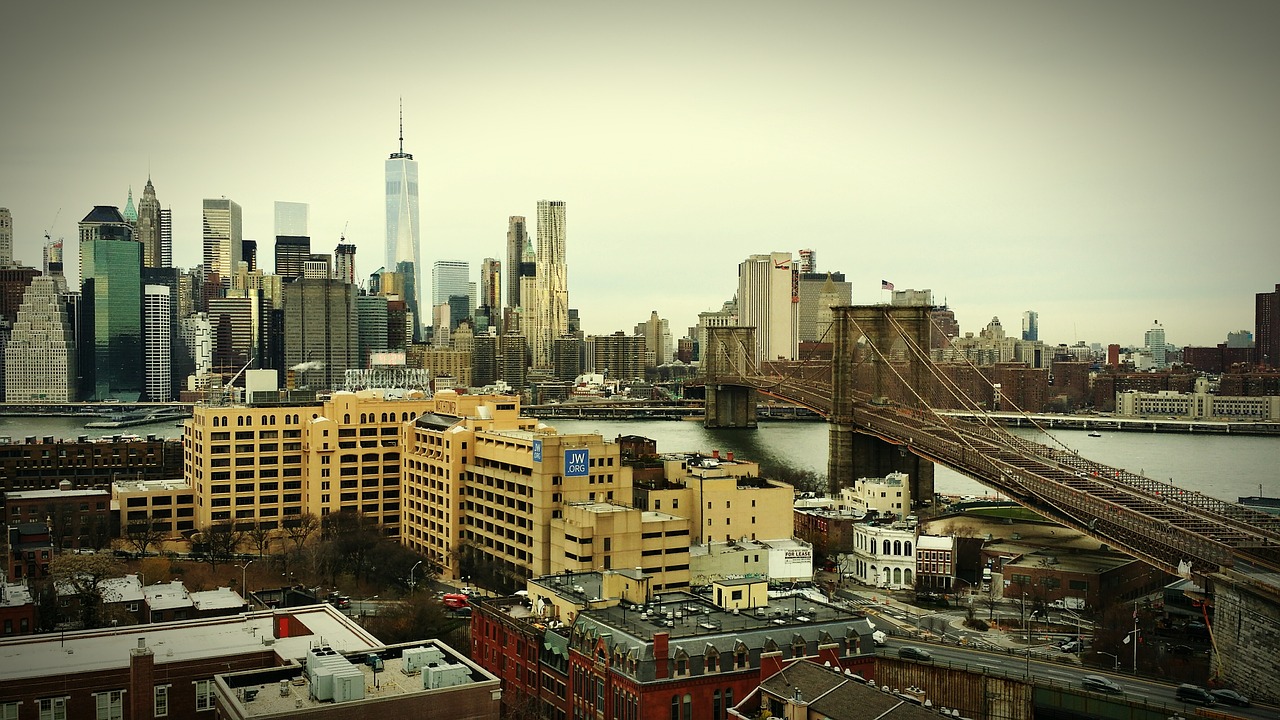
{"points": [[723, 498], [482, 481], [273, 464], [604, 536]]}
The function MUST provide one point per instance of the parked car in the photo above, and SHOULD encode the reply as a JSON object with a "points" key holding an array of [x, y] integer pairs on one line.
{"points": [[1230, 697], [911, 652], [1187, 692], [1071, 646], [1098, 683]]}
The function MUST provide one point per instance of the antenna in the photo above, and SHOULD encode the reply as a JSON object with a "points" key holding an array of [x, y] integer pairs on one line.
{"points": [[402, 125], [343, 236]]}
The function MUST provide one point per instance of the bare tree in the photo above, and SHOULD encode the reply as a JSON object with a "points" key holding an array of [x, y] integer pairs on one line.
{"points": [[261, 537], [220, 542], [83, 576], [142, 534], [300, 529]]}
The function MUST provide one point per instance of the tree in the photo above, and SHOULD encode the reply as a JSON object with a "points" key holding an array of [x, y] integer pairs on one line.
{"points": [[261, 537], [353, 537], [220, 542], [301, 528], [98, 532], [142, 534], [419, 617], [991, 600], [82, 575]]}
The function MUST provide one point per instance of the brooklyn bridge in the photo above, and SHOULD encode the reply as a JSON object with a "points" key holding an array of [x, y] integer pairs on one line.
{"points": [[880, 394]]}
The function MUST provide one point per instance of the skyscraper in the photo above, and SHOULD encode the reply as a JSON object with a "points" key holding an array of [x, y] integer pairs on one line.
{"points": [[111, 285], [767, 303], [404, 253], [1156, 345], [344, 263], [491, 286], [517, 239], [222, 238], [552, 281], [40, 358], [1266, 329], [157, 352], [166, 238], [292, 251], [321, 332], [6, 237], [1031, 325], [147, 227], [449, 279], [291, 218]]}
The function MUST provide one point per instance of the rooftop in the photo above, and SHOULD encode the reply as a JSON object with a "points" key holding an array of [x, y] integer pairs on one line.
{"points": [[276, 692], [34, 656], [841, 696], [55, 493]]}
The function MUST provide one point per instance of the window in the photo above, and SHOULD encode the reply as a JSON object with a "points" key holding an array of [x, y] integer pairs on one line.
{"points": [[162, 701], [204, 694], [110, 705], [9, 711], [52, 708]]}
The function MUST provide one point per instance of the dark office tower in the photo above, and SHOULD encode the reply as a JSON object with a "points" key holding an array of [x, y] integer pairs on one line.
{"points": [[111, 284], [1031, 325], [292, 252], [375, 282], [166, 238], [6, 237], [404, 252], [566, 358], [458, 310], [249, 254], [222, 236], [1266, 331], [515, 360], [13, 286], [397, 324], [517, 239], [344, 263], [484, 360], [619, 356], [371, 314], [147, 227], [321, 332]]}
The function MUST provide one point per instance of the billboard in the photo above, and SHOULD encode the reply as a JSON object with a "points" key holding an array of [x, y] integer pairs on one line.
{"points": [[576, 462]]}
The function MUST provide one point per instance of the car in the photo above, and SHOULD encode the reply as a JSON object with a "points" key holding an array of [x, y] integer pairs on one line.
{"points": [[1071, 646], [1098, 683], [1230, 697], [1181, 649], [911, 652], [1187, 692]]}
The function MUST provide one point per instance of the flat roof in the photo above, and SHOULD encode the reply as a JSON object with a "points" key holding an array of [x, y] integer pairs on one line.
{"points": [[54, 493], [33, 656], [297, 697]]}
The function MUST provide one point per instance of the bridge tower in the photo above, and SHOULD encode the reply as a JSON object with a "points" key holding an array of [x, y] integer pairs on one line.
{"points": [[875, 355], [730, 356]]}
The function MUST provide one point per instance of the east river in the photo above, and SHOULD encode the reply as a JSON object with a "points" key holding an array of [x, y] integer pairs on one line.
{"points": [[1224, 467]]}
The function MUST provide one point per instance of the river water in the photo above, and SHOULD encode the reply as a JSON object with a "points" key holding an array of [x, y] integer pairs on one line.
{"points": [[1221, 466]]}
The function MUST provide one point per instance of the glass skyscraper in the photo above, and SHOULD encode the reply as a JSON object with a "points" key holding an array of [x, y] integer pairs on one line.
{"points": [[111, 285], [404, 252]]}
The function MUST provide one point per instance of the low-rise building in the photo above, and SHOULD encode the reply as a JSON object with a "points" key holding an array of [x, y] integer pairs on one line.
{"points": [[1095, 578], [17, 611], [806, 690], [889, 496], [41, 462], [162, 670], [884, 556], [168, 506], [603, 535], [783, 560], [76, 518], [935, 562], [416, 679], [30, 550]]}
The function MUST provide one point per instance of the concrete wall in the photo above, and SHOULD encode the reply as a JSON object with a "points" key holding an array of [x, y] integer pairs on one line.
{"points": [[1246, 633]]}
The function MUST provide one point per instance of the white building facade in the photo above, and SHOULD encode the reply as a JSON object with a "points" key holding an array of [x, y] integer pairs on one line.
{"points": [[768, 300], [157, 339], [40, 358], [883, 556], [889, 495], [552, 281]]}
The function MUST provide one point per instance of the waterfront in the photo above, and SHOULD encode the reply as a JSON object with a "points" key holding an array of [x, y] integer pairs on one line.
{"points": [[1224, 467]]}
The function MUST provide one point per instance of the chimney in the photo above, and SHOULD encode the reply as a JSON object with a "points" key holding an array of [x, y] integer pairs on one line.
{"points": [[730, 456], [715, 454], [141, 695], [660, 655], [64, 485]]}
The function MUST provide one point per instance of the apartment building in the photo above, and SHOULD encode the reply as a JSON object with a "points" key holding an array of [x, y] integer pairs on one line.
{"points": [[886, 496], [269, 464], [603, 536]]}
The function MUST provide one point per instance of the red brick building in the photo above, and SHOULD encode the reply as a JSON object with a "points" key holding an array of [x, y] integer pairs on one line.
{"points": [[76, 518]]}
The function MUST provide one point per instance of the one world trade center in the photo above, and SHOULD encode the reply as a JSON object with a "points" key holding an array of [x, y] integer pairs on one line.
{"points": [[404, 253]]}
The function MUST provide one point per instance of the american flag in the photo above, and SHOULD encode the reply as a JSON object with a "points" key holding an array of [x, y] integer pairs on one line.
{"points": [[886, 285]]}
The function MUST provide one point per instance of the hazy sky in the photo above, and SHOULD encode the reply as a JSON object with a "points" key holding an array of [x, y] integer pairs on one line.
{"points": [[1104, 163]]}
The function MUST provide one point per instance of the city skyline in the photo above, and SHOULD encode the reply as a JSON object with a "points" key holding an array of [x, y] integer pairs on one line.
{"points": [[1105, 166]]}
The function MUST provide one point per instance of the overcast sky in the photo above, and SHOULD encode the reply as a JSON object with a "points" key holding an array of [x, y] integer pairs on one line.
{"points": [[1107, 164]]}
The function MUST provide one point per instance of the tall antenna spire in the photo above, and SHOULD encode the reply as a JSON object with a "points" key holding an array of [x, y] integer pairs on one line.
{"points": [[401, 125]]}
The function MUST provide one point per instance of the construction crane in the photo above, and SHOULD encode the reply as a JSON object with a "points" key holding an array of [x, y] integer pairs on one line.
{"points": [[55, 222], [224, 395]]}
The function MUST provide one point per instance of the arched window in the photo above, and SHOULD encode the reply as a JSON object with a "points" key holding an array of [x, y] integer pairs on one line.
{"points": [[906, 577], [897, 576], [384, 417], [240, 421], [897, 547], [907, 548], [886, 547], [346, 418], [715, 705], [675, 707], [711, 659], [688, 706]]}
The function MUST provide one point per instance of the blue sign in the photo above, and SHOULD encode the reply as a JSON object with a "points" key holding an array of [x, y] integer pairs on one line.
{"points": [[537, 451], [576, 462]]}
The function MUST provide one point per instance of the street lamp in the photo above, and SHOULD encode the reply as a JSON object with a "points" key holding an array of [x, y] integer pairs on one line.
{"points": [[1113, 657], [243, 570], [415, 567]]}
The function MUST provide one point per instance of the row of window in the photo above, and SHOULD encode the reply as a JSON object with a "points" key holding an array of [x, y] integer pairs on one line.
{"points": [[109, 704]]}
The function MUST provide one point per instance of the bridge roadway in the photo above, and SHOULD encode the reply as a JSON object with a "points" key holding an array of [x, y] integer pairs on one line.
{"points": [[1158, 523]]}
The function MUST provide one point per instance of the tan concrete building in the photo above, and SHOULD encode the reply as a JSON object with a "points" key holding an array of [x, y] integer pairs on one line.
{"points": [[169, 504], [271, 464], [725, 499], [482, 485], [603, 536], [889, 495]]}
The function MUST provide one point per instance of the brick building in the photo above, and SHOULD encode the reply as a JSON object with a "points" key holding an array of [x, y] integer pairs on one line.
{"points": [[76, 518], [40, 463]]}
